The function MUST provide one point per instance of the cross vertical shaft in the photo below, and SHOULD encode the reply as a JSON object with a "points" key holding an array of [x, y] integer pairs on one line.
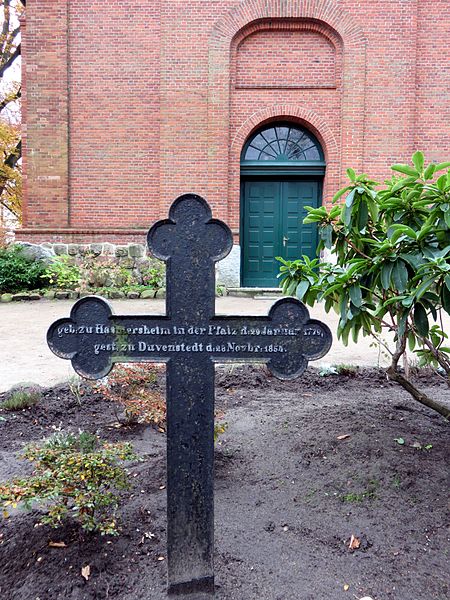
{"points": [[190, 474], [190, 243]]}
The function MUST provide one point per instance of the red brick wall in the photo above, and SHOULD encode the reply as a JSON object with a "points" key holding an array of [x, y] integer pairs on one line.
{"points": [[129, 104], [285, 58], [432, 107], [45, 115]]}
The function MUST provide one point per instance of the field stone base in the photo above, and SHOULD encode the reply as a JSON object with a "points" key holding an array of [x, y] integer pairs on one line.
{"points": [[25, 297], [228, 270], [116, 294]]}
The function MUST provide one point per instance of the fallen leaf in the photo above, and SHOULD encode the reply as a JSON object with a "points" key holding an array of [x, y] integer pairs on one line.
{"points": [[343, 437], [400, 441], [354, 543], [86, 572], [160, 557], [346, 587], [58, 544]]}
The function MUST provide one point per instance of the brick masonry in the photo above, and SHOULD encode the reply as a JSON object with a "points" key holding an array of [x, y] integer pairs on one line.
{"points": [[130, 104]]}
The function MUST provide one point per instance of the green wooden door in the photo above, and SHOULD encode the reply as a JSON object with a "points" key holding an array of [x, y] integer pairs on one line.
{"points": [[273, 212]]}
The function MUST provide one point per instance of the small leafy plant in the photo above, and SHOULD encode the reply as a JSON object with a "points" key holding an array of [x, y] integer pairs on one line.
{"points": [[133, 387], [74, 476], [63, 273], [392, 266], [96, 273], [154, 276], [19, 272]]}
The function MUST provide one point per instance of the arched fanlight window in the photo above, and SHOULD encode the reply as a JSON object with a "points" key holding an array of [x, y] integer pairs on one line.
{"points": [[282, 143]]}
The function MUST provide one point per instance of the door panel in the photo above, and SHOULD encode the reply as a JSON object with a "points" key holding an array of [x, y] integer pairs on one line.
{"points": [[273, 212], [302, 239], [262, 222]]}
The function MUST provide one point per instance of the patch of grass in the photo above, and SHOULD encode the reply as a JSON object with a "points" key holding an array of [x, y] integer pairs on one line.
{"points": [[20, 399], [368, 494]]}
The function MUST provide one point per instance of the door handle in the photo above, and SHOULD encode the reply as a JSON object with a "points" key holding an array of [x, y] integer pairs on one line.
{"points": [[285, 239]]}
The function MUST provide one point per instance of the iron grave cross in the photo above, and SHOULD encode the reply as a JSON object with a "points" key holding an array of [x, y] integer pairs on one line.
{"points": [[190, 339]]}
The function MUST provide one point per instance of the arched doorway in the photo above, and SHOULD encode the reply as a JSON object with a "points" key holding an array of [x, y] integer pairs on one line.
{"points": [[282, 169]]}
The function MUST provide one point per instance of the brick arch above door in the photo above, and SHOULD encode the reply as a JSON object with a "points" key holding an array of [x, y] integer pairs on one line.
{"points": [[352, 115]]}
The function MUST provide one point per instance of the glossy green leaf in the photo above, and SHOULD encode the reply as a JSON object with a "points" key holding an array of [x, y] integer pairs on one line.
{"points": [[406, 170], [373, 209], [356, 295], [443, 165], [340, 193], [398, 230], [363, 215], [411, 341], [351, 174], [302, 288], [418, 160], [400, 275], [447, 219], [445, 299], [424, 287], [441, 182], [421, 320], [346, 215], [429, 171], [350, 198], [326, 234], [386, 272]]}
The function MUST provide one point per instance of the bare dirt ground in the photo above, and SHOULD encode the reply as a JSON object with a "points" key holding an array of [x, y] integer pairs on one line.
{"points": [[289, 496]]}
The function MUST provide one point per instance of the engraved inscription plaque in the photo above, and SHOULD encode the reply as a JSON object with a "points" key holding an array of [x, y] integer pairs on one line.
{"points": [[190, 339]]}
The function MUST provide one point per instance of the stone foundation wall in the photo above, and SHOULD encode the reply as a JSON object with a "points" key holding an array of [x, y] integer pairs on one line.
{"points": [[136, 257], [121, 252]]}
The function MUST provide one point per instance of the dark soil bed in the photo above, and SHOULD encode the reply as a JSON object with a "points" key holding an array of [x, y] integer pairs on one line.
{"points": [[289, 496]]}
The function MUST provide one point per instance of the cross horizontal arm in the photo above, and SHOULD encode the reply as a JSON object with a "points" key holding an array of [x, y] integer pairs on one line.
{"points": [[94, 339]]}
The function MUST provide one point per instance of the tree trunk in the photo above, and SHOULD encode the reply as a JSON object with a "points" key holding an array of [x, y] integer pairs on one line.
{"points": [[417, 394]]}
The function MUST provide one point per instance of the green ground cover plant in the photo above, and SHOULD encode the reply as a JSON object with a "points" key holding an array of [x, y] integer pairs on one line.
{"points": [[20, 399], [90, 274], [74, 476], [391, 269], [62, 274]]}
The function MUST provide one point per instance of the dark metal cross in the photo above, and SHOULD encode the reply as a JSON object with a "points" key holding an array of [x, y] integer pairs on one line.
{"points": [[190, 339]]}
